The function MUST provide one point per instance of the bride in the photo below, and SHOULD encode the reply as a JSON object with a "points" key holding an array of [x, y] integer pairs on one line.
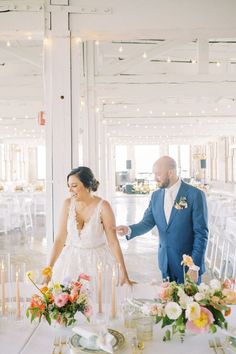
{"points": [[86, 235]]}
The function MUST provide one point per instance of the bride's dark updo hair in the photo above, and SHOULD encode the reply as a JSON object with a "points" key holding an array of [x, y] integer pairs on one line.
{"points": [[86, 176]]}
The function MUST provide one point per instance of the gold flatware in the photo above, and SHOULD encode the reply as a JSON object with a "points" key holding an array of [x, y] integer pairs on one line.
{"points": [[63, 342], [212, 345], [219, 344], [55, 344]]}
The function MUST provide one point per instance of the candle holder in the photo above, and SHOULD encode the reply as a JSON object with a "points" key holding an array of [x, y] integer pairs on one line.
{"points": [[5, 285], [17, 291], [144, 328]]}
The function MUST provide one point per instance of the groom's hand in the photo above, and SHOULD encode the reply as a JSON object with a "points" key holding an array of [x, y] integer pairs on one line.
{"points": [[122, 230], [193, 275]]}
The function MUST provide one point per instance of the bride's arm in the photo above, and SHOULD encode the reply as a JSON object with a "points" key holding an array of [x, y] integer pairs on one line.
{"points": [[109, 224], [60, 237]]}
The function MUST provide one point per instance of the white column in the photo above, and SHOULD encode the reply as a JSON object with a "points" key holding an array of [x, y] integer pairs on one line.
{"points": [[62, 112], [103, 161], [91, 155], [110, 182]]}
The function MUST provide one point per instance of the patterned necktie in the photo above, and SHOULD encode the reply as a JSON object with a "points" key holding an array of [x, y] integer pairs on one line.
{"points": [[168, 204]]}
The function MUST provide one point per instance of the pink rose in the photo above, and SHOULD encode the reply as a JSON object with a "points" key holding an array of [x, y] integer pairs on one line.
{"points": [[88, 311], [164, 295], [84, 276], [61, 299], [165, 284]]}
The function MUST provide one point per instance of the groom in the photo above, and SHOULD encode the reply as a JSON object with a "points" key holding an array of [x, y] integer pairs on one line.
{"points": [[179, 211]]}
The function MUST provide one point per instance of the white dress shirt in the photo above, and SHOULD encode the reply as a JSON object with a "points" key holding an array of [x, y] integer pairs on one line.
{"points": [[170, 196]]}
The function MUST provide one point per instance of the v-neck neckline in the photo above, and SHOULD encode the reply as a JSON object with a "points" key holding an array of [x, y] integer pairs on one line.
{"points": [[89, 219]]}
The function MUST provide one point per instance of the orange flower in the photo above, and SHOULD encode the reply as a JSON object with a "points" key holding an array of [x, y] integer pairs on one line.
{"points": [[44, 289], [37, 302], [73, 298], [228, 312], [187, 261], [47, 271]]}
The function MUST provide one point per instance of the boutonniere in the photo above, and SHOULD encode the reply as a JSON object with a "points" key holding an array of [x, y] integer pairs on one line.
{"points": [[181, 204]]}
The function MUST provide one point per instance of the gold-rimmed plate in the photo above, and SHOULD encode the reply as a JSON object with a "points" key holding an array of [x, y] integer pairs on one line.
{"points": [[77, 344]]}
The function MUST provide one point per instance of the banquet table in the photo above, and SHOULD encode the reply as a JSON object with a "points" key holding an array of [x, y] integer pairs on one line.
{"points": [[27, 338]]}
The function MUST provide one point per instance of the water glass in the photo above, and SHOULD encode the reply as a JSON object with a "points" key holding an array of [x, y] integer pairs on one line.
{"points": [[144, 328]]}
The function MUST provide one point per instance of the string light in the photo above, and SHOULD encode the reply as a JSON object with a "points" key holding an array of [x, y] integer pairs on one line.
{"points": [[144, 55]]}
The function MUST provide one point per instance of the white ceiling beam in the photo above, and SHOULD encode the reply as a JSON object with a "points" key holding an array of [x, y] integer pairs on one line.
{"points": [[122, 66], [166, 78]]}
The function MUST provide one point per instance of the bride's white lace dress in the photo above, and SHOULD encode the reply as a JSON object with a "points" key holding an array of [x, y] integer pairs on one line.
{"points": [[84, 249]]}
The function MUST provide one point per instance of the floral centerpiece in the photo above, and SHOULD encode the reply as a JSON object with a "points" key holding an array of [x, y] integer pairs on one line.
{"points": [[191, 307], [60, 302]]}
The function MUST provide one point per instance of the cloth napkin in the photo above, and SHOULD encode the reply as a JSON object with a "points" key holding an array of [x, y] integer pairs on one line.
{"points": [[97, 334]]}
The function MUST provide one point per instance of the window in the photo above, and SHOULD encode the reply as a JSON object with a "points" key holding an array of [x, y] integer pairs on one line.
{"points": [[145, 156], [2, 163], [121, 157], [185, 161], [174, 153]]}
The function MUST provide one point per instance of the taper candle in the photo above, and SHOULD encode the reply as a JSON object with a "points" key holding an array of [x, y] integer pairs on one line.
{"points": [[99, 268], [18, 309], [113, 294], [3, 289]]}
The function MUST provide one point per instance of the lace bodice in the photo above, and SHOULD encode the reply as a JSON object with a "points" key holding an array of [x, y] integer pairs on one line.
{"points": [[91, 235]]}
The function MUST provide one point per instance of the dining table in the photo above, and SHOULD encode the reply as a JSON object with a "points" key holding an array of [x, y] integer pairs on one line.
{"points": [[24, 337]]}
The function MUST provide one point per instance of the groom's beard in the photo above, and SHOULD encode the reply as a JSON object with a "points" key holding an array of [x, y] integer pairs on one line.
{"points": [[164, 184]]}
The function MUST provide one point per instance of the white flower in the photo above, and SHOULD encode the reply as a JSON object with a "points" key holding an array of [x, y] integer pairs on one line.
{"points": [[173, 310], [193, 311], [199, 296], [215, 284], [184, 300], [203, 288]]}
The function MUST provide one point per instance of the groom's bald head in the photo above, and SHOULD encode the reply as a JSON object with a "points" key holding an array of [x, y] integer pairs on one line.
{"points": [[165, 171]]}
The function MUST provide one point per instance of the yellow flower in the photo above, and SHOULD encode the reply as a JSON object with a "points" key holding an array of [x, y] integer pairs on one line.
{"points": [[30, 275], [202, 321], [56, 286], [187, 261], [47, 271], [44, 289]]}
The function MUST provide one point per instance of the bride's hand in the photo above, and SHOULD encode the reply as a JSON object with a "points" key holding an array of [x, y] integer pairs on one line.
{"points": [[126, 280], [46, 280]]}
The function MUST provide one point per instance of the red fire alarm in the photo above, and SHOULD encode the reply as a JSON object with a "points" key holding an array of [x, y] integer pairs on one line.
{"points": [[41, 118]]}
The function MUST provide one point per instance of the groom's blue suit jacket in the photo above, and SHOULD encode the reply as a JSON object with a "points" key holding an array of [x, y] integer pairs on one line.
{"points": [[185, 233]]}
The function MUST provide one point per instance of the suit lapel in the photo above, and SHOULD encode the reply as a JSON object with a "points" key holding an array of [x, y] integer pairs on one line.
{"points": [[181, 193], [162, 196]]}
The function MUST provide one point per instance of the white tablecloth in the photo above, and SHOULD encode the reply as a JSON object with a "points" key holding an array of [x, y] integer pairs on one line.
{"points": [[24, 338]]}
